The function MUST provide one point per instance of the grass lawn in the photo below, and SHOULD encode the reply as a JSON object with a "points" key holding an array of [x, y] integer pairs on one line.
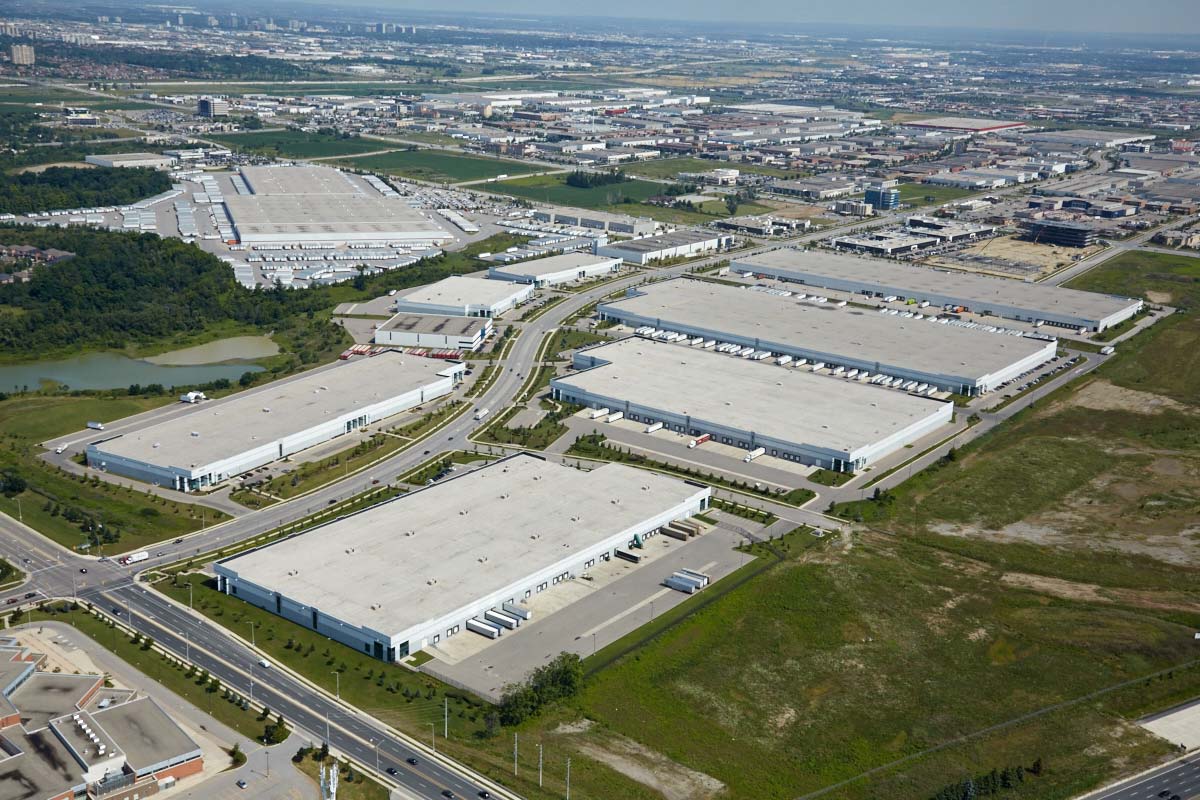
{"points": [[438, 166], [669, 168], [37, 418], [827, 477], [297, 144], [1168, 278], [360, 788], [918, 193], [60, 505], [572, 339]]}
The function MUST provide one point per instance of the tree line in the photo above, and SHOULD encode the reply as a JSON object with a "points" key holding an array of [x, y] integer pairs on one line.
{"points": [[129, 288], [73, 187], [582, 179]]}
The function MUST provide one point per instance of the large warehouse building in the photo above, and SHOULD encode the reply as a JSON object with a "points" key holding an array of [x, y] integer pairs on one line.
{"points": [[224, 438], [321, 205], [678, 244], [950, 358], [403, 575], [461, 296], [1028, 302], [793, 414], [433, 330], [553, 270]]}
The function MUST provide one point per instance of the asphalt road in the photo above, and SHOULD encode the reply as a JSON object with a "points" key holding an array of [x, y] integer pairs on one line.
{"points": [[1179, 778]]}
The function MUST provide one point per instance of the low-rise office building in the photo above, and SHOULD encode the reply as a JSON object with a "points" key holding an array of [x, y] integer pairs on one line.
{"points": [[1028, 302], [224, 438], [541, 272], [434, 330], [791, 413], [679, 244], [917, 348], [411, 572], [461, 296], [68, 736]]}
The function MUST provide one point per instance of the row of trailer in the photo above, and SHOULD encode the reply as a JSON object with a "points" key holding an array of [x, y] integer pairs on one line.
{"points": [[494, 621], [688, 581]]}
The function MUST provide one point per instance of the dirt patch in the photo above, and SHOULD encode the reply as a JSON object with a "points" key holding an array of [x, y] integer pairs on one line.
{"points": [[785, 717], [579, 726], [674, 781], [1163, 298], [1091, 593], [1100, 395], [43, 167]]}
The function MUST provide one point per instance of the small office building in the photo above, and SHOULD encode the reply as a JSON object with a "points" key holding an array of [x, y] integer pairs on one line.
{"points": [[553, 270], [461, 296], [435, 331]]}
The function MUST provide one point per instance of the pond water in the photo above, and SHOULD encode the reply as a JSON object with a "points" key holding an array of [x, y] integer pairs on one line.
{"points": [[236, 348], [114, 371]]}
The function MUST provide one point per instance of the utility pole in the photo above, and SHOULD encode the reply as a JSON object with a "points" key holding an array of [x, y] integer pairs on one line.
{"points": [[445, 717], [514, 754], [568, 779], [252, 644], [539, 764], [337, 682], [189, 595]]}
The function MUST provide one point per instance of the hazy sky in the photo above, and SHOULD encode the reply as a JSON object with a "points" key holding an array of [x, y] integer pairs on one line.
{"points": [[1109, 16]]}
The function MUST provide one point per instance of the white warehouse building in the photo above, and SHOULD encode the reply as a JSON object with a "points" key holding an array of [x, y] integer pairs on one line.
{"points": [[953, 359], [461, 296], [541, 272], [408, 573], [793, 414], [434, 330], [221, 439], [677, 244], [1029, 302]]}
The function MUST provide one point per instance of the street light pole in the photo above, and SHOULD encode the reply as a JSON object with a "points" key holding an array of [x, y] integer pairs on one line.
{"points": [[337, 678], [568, 779], [539, 764], [252, 643]]}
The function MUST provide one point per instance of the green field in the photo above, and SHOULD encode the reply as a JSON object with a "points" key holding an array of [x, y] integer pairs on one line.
{"points": [[1165, 360], [47, 503], [1167, 278], [297, 144], [553, 189], [669, 168], [438, 166], [918, 193]]}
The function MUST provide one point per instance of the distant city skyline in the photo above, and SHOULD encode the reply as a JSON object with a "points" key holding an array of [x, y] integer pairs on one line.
{"points": [[1063, 16]]}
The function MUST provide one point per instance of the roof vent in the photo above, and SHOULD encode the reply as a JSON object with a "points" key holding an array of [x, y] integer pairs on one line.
{"points": [[266, 410], [196, 434]]}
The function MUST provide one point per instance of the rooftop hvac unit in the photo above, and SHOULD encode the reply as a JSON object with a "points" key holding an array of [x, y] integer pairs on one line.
{"points": [[196, 434], [266, 410]]}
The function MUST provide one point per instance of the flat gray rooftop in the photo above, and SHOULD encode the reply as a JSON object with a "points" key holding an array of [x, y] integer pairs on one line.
{"points": [[460, 290], [298, 180], [789, 405], [553, 264], [662, 241], [964, 123], [43, 769], [435, 323], [242, 422], [905, 278], [327, 215], [914, 344], [47, 695], [144, 732], [405, 562]]}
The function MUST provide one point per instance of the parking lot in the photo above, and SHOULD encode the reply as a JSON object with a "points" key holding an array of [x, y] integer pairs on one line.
{"points": [[587, 613]]}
